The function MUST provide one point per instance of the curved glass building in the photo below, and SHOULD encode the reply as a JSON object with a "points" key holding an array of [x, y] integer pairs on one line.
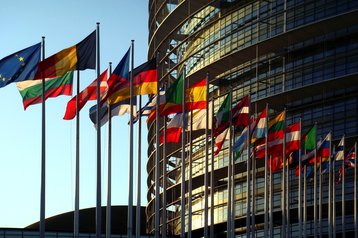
{"points": [[301, 56]]}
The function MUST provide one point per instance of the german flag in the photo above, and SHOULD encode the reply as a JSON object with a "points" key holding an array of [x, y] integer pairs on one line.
{"points": [[145, 81]]}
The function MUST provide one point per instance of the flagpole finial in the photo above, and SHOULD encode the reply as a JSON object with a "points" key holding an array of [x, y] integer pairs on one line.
{"points": [[97, 23]]}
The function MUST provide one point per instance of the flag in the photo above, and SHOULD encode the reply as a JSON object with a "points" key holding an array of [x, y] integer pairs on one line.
{"points": [[118, 109], [147, 108], [222, 116], [240, 114], [340, 150], [293, 138], [309, 139], [20, 66], [31, 90], [323, 152], [80, 56], [220, 139], [89, 93], [174, 127], [152, 114], [118, 78], [174, 130], [274, 138], [145, 81], [241, 142], [195, 97], [258, 130]]}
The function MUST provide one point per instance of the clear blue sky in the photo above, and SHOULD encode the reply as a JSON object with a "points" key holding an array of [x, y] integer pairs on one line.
{"points": [[63, 23]]}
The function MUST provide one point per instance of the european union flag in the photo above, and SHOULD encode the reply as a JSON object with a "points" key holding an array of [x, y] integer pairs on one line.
{"points": [[20, 66]]}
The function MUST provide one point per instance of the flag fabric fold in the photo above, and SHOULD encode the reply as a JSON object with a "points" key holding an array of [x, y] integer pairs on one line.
{"points": [[118, 109], [195, 97], [31, 90], [220, 140], [145, 81], [20, 66], [118, 78], [80, 56], [89, 93]]}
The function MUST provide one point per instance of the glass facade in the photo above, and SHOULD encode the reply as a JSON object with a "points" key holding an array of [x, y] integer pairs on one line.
{"points": [[298, 55]]}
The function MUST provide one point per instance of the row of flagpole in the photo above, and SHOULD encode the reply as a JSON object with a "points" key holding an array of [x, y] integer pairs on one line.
{"points": [[250, 200]]}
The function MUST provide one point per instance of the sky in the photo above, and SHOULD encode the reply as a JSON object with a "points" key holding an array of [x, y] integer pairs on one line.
{"points": [[64, 23]]}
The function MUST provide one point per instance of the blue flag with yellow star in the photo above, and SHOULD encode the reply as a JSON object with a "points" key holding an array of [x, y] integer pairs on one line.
{"points": [[20, 66]]}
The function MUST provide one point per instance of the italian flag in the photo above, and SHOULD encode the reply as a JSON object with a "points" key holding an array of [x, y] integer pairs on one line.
{"points": [[195, 97], [31, 90]]}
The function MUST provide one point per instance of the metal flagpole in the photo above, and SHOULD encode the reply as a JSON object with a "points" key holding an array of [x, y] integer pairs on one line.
{"points": [[206, 176], [330, 192], [300, 186], [248, 171], [157, 157], [130, 162], [253, 196], [271, 200], [266, 182], [305, 200], [320, 198], [99, 189], [343, 193], [164, 213], [355, 191], [183, 160], [139, 168], [77, 175], [315, 193], [109, 179], [190, 183], [229, 174], [43, 153], [212, 183], [283, 202], [334, 194], [231, 142]]}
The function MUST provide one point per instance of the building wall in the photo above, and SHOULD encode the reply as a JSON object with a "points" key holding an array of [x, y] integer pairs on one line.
{"points": [[297, 55]]}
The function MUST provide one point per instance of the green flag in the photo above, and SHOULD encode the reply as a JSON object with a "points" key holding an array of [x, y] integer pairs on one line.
{"points": [[309, 139], [174, 97]]}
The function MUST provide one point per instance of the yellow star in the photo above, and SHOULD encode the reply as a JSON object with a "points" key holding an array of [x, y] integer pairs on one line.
{"points": [[21, 59], [3, 79], [0, 76], [23, 64]]}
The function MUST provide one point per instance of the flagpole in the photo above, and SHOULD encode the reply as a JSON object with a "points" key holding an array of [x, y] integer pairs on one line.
{"points": [[355, 191], [109, 179], [157, 159], [229, 173], [271, 199], [343, 193], [164, 213], [231, 141], [206, 178], [184, 125], [130, 162], [265, 183], [300, 185], [305, 200], [190, 183], [212, 182], [330, 192], [248, 171], [77, 176], [320, 196], [98, 119], [139, 168], [334, 194], [283, 202], [43, 153], [315, 192]]}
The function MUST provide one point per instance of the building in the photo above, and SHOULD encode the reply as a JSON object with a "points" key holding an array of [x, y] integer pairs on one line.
{"points": [[61, 226], [298, 55]]}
